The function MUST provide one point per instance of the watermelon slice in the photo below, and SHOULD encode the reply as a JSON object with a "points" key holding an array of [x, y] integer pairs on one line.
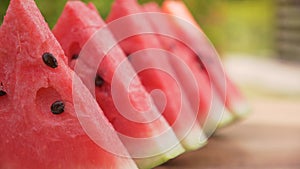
{"points": [[163, 25], [155, 70], [233, 98], [41, 111], [80, 31]]}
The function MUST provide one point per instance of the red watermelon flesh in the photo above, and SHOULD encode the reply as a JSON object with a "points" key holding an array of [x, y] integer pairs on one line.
{"points": [[77, 29], [32, 137], [177, 110], [162, 23], [233, 98]]}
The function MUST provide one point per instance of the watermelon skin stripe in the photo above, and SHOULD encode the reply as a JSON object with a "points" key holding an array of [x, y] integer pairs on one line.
{"points": [[31, 136], [84, 32]]}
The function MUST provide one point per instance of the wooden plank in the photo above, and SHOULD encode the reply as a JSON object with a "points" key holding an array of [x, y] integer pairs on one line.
{"points": [[288, 29], [289, 11], [288, 46], [289, 35], [289, 2], [288, 51], [293, 22], [294, 41], [269, 139]]}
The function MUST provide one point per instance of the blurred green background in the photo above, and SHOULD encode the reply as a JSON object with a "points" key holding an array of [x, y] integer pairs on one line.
{"points": [[234, 26]]}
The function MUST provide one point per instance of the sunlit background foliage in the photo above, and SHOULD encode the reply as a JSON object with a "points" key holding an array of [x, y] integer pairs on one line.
{"points": [[234, 26]]}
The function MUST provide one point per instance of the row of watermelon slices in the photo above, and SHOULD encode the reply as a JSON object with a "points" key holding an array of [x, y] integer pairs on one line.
{"points": [[60, 107]]}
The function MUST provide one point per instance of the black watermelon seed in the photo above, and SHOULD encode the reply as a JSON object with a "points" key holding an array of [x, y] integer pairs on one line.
{"points": [[2, 93], [75, 56], [58, 107], [50, 60], [99, 81]]}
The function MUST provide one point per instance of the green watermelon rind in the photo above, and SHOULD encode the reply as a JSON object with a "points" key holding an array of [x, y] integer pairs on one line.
{"points": [[241, 110], [239, 113], [194, 142], [151, 162], [227, 119]]}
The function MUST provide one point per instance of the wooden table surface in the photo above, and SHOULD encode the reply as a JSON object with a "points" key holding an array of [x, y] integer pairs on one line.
{"points": [[268, 139]]}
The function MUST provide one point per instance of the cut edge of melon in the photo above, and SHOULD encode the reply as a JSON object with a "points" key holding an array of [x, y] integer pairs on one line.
{"points": [[194, 140], [227, 119], [238, 113], [240, 109], [151, 162]]}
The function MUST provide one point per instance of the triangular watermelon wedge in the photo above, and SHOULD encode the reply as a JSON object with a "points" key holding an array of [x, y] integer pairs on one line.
{"points": [[129, 26], [42, 113], [160, 25], [209, 115], [83, 33], [233, 98]]}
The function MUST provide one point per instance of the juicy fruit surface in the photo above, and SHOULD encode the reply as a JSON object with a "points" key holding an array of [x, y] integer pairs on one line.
{"points": [[210, 104], [177, 110], [82, 28], [233, 98], [162, 24], [31, 135], [86, 23]]}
